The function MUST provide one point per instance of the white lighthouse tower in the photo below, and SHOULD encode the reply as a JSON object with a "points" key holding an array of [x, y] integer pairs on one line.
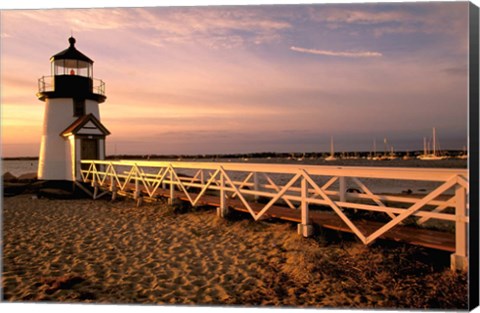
{"points": [[72, 130]]}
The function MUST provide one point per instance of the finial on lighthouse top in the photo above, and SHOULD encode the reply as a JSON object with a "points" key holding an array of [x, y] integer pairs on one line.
{"points": [[72, 41]]}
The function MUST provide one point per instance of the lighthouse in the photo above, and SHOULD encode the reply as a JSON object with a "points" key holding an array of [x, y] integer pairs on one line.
{"points": [[72, 130]]}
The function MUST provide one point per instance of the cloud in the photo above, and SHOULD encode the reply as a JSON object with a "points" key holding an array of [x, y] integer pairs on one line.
{"points": [[459, 71], [216, 27], [366, 17], [219, 27], [347, 54], [83, 19], [384, 19]]}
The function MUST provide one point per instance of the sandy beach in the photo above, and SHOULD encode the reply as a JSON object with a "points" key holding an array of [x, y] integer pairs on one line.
{"points": [[113, 252]]}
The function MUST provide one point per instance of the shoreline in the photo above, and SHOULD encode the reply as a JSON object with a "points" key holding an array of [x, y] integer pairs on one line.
{"points": [[112, 252]]}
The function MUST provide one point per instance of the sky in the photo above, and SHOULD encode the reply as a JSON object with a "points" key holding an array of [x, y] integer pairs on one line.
{"points": [[241, 79]]}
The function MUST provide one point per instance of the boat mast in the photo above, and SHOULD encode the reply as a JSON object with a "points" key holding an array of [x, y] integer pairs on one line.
{"points": [[385, 146], [331, 146]]}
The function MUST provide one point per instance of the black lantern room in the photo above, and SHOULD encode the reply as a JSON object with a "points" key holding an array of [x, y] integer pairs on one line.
{"points": [[71, 77]]}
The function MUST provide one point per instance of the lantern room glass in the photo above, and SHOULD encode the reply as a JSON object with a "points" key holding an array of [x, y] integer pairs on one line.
{"points": [[72, 67]]}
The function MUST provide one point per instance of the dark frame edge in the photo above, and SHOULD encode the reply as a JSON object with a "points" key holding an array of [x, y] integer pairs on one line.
{"points": [[473, 162]]}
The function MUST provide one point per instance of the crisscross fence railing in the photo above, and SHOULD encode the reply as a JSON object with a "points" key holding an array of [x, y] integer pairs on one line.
{"points": [[438, 194]]}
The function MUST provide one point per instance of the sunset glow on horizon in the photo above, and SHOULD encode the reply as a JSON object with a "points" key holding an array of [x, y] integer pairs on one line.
{"points": [[241, 79]]}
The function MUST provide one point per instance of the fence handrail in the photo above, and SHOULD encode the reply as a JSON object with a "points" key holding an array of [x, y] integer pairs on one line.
{"points": [[401, 173]]}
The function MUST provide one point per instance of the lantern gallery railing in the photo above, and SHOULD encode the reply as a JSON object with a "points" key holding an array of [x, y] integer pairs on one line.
{"points": [[98, 87], [434, 194], [47, 84]]}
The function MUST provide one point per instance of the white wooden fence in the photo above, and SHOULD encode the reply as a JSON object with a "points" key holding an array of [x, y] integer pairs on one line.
{"points": [[444, 195]]}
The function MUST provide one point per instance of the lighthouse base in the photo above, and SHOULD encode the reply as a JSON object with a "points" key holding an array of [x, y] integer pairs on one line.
{"points": [[61, 189]]}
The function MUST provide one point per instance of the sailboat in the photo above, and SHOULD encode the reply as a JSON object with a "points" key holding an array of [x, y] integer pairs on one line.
{"points": [[392, 155], [435, 155], [373, 154], [464, 155], [379, 157], [407, 156], [332, 153]]}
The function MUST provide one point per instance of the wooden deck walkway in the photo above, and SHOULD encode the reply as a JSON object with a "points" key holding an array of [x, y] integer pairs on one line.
{"points": [[413, 235]]}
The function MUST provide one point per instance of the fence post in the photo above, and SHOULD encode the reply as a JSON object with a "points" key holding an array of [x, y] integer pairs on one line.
{"points": [[459, 260], [136, 195], [164, 185], [93, 172], [172, 188], [137, 187], [222, 210], [113, 187], [305, 228], [342, 189], [95, 191], [256, 185]]}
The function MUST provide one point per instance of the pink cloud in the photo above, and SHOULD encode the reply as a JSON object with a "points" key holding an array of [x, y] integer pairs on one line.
{"points": [[347, 54]]}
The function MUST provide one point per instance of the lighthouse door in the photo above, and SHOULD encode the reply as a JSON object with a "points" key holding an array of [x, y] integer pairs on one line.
{"points": [[89, 150]]}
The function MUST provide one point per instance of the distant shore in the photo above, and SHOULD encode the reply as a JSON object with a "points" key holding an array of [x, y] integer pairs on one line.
{"points": [[260, 155], [113, 252], [20, 158]]}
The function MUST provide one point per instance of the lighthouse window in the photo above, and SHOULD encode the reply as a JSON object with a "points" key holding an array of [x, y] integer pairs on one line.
{"points": [[78, 107], [72, 67], [84, 69]]}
